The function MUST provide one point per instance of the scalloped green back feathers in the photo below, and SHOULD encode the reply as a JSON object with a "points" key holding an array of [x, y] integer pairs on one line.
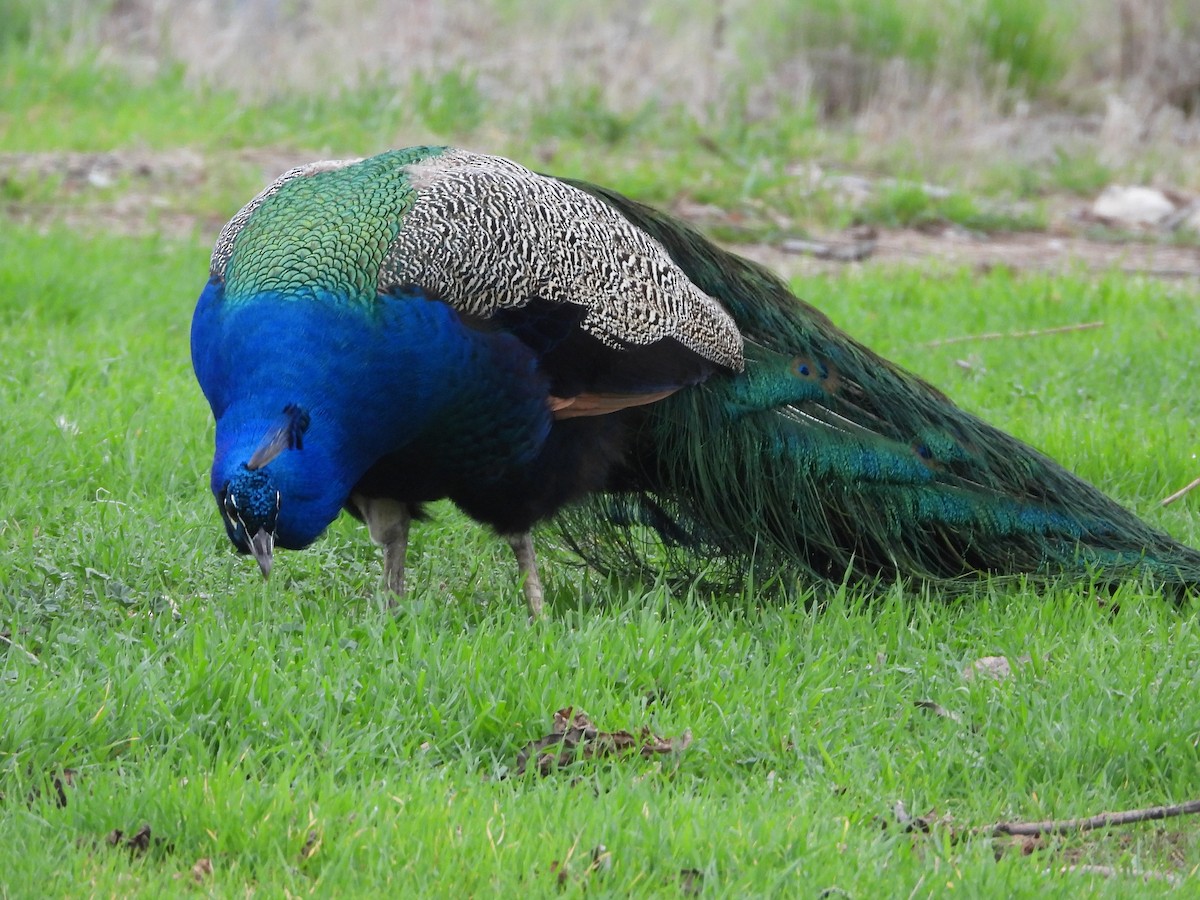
{"points": [[274, 246]]}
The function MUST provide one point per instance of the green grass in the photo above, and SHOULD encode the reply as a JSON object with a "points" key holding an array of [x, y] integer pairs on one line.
{"points": [[912, 205], [87, 107], [1024, 40], [746, 168], [308, 742], [752, 165], [1018, 43]]}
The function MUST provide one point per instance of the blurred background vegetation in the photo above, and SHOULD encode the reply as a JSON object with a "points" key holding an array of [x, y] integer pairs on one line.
{"points": [[722, 101], [709, 58]]}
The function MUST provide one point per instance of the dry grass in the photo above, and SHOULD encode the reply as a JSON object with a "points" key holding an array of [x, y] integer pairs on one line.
{"points": [[830, 52], [515, 51], [1126, 96], [899, 102]]}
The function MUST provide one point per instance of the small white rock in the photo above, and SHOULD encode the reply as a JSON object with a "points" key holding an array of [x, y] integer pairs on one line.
{"points": [[98, 178], [1125, 205]]}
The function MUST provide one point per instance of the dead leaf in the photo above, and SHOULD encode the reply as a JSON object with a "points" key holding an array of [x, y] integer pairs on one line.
{"points": [[202, 869], [573, 736], [691, 882], [140, 842], [600, 862], [938, 710], [601, 859], [658, 695], [311, 844], [923, 824], [1026, 845], [136, 844], [563, 872], [61, 783], [997, 667]]}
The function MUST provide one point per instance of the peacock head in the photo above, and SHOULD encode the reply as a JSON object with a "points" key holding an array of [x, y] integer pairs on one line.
{"points": [[271, 491], [250, 504]]}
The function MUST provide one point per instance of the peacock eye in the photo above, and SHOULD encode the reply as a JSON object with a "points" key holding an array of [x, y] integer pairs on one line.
{"points": [[229, 507]]}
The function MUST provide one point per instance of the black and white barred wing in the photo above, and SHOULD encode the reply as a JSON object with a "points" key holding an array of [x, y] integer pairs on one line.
{"points": [[601, 301]]}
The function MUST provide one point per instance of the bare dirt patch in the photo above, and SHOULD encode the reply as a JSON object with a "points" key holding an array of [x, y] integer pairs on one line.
{"points": [[140, 192], [132, 192], [1032, 251]]}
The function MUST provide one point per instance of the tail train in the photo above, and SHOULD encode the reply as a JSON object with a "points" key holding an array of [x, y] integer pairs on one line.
{"points": [[826, 460]]}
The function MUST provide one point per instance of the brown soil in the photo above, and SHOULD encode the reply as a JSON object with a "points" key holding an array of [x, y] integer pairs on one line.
{"points": [[143, 192], [1034, 251]]}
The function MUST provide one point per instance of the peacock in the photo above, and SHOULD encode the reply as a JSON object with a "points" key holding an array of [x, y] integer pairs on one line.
{"points": [[377, 334]]}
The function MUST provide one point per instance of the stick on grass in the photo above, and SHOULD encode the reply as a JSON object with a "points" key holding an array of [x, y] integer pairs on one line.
{"points": [[1182, 492], [32, 658], [1091, 823], [1004, 335]]}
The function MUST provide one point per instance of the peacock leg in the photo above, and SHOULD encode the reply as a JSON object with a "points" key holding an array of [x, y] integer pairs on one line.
{"points": [[387, 521], [522, 545]]}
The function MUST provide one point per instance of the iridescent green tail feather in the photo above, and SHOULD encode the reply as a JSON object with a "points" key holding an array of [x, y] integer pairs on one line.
{"points": [[824, 460]]}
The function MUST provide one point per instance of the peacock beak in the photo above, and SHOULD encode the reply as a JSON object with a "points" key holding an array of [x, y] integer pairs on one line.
{"points": [[262, 545]]}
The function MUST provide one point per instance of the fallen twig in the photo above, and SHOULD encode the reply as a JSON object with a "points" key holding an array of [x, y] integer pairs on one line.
{"points": [[8, 640], [1183, 491], [1091, 823], [1002, 335], [1027, 837], [938, 710], [1113, 872], [838, 252]]}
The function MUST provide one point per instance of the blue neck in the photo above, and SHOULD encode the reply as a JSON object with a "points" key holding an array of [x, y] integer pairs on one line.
{"points": [[377, 380]]}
